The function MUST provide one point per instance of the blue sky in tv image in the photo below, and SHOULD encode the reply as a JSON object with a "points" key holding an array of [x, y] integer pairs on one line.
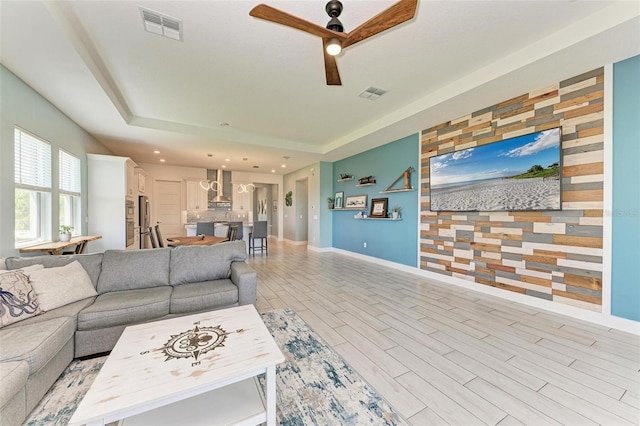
{"points": [[496, 160]]}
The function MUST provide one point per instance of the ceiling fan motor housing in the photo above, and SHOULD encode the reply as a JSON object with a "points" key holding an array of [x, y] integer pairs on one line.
{"points": [[334, 9]]}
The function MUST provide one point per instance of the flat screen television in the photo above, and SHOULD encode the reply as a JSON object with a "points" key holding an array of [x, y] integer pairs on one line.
{"points": [[520, 173]]}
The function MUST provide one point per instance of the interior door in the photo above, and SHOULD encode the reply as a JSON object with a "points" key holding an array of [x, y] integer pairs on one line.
{"points": [[167, 207]]}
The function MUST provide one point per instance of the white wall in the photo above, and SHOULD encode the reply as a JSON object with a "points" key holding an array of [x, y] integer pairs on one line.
{"points": [[312, 174], [23, 107]]}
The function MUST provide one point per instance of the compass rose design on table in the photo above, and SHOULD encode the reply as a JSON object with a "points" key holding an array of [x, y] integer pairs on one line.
{"points": [[195, 342]]}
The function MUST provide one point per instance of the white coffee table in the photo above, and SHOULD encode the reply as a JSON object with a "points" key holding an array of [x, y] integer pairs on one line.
{"points": [[197, 369]]}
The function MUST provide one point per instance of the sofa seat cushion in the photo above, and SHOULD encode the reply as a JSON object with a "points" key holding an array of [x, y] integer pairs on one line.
{"points": [[71, 310], [192, 264], [36, 343], [13, 376], [207, 295], [125, 307], [133, 269]]}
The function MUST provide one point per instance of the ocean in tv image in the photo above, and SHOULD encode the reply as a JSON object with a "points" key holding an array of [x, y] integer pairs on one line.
{"points": [[521, 173]]}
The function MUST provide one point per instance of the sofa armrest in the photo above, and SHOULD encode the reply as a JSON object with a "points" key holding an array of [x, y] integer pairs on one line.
{"points": [[243, 276]]}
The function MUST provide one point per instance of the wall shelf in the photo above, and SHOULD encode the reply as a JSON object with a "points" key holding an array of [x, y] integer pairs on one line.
{"points": [[365, 184], [345, 179], [387, 191], [350, 209]]}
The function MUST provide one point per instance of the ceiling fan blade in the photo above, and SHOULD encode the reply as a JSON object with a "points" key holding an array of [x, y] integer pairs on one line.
{"points": [[269, 13], [330, 66], [398, 13]]}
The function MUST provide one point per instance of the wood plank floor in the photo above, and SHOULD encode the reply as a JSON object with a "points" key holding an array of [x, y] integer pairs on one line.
{"points": [[446, 355]]}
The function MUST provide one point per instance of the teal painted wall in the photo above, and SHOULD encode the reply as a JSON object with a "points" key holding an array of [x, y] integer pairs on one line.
{"points": [[395, 241], [625, 285]]}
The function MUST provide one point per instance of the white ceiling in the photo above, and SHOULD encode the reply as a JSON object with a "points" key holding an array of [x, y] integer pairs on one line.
{"points": [[137, 92]]}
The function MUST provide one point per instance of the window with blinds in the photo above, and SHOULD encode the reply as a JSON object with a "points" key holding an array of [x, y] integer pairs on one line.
{"points": [[70, 187], [32, 176]]}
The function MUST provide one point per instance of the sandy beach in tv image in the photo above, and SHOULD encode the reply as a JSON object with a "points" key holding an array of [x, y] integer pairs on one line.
{"points": [[521, 173]]}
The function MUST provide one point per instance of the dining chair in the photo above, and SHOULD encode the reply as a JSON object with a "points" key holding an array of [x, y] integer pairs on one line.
{"points": [[231, 234], [259, 232], [159, 235], [239, 233], [152, 238], [205, 228]]}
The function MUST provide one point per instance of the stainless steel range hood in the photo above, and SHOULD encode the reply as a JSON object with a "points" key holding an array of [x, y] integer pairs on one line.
{"points": [[219, 197]]}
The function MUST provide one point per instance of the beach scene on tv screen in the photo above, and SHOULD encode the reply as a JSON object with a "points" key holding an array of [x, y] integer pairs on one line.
{"points": [[521, 173]]}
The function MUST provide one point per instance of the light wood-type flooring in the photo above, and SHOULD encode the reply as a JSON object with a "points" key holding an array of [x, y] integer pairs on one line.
{"points": [[441, 354]]}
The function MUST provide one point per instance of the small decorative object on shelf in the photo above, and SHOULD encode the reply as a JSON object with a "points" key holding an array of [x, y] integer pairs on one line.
{"points": [[395, 212], [345, 176], [65, 232], [330, 202], [407, 182], [367, 180]]}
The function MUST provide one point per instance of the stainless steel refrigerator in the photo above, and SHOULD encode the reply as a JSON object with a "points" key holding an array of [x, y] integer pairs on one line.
{"points": [[144, 211]]}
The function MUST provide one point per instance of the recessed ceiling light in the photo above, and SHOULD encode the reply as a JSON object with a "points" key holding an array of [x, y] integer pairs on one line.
{"points": [[224, 166], [227, 159], [156, 152], [273, 170], [283, 166], [162, 160]]}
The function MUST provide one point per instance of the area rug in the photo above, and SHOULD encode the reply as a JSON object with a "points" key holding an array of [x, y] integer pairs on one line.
{"points": [[315, 386]]}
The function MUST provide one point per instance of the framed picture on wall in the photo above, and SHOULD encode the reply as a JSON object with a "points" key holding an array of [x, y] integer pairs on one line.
{"points": [[338, 202], [356, 202], [379, 207]]}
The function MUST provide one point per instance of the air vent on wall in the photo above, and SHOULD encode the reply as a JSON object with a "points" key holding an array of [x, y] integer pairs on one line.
{"points": [[160, 24]]}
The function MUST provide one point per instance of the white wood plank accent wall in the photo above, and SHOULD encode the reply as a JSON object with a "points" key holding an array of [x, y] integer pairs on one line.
{"points": [[553, 255]]}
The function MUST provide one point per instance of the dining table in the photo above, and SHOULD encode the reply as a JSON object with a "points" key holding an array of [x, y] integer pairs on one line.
{"points": [[79, 244], [206, 240]]}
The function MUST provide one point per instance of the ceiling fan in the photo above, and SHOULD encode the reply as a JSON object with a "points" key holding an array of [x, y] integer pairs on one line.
{"points": [[333, 37]]}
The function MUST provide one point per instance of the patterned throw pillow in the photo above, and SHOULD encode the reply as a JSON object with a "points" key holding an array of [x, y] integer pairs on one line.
{"points": [[18, 300]]}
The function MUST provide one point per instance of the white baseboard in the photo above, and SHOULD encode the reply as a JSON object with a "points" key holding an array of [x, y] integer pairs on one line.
{"points": [[547, 305]]}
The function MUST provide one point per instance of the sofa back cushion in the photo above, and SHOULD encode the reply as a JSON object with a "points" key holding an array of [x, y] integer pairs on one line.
{"points": [[190, 264], [92, 263], [134, 269]]}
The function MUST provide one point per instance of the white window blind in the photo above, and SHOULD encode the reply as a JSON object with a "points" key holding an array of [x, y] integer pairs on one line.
{"points": [[32, 161], [69, 167]]}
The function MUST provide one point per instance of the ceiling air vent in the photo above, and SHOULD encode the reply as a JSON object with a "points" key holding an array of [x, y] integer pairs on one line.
{"points": [[372, 93], [160, 24]]}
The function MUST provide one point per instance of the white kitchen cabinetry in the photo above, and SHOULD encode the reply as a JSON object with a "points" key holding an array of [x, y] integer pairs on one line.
{"points": [[141, 176], [241, 197], [196, 196], [130, 178], [111, 182]]}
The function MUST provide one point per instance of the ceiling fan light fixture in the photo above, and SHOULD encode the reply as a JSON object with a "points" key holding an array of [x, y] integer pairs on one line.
{"points": [[334, 47]]}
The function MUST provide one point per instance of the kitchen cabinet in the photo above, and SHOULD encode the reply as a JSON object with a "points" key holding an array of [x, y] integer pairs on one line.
{"points": [[141, 176], [196, 196], [130, 179], [242, 196], [110, 183]]}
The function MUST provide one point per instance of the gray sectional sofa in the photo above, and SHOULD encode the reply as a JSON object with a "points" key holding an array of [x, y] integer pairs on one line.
{"points": [[132, 287]]}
